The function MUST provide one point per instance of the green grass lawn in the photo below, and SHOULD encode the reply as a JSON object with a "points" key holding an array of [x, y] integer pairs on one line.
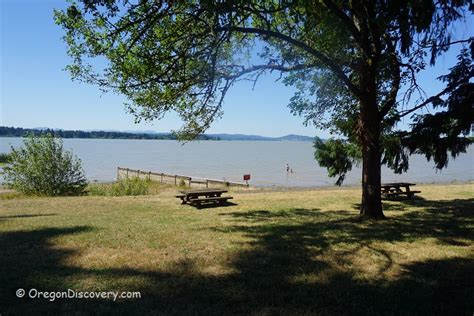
{"points": [[272, 253]]}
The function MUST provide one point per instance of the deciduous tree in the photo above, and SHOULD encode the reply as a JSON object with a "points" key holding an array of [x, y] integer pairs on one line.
{"points": [[347, 59], [42, 167]]}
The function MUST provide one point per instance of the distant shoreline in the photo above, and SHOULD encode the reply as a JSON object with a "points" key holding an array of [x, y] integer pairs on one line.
{"points": [[79, 134], [343, 187], [6, 131], [171, 139]]}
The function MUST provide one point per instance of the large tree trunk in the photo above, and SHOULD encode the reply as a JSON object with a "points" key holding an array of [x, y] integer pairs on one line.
{"points": [[371, 206]]}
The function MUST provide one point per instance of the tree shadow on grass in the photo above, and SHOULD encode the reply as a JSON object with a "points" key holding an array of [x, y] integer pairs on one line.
{"points": [[461, 206], [297, 261], [5, 217], [442, 219], [265, 215], [330, 262], [28, 260]]}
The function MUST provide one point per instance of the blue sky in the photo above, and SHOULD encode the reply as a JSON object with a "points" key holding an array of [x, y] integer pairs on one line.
{"points": [[37, 92]]}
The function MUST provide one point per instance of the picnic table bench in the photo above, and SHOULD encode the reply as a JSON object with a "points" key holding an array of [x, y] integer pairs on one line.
{"points": [[395, 189], [197, 197]]}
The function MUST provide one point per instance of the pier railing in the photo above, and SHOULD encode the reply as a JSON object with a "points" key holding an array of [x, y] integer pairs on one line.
{"points": [[178, 180]]}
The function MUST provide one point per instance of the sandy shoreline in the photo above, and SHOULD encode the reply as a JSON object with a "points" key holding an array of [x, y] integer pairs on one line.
{"points": [[251, 189]]}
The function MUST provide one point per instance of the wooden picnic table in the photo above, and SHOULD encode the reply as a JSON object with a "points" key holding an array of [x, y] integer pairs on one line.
{"points": [[203, 196], [396, 189]]}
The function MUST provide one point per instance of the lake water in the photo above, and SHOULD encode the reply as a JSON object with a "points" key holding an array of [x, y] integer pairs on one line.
{"points": [[229, 160]]}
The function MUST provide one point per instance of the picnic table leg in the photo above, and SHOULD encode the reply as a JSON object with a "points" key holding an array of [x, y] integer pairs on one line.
{"points": [[409, 194], [187, 199]]}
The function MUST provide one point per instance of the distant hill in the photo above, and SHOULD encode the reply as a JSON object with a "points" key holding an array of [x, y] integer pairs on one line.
{"points": [[293, 137], [290, 137], [142, 132], [239, 137], [131, 134]]}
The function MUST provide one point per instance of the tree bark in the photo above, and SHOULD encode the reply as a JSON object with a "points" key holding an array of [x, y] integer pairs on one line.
{"points": [[371, 206]]}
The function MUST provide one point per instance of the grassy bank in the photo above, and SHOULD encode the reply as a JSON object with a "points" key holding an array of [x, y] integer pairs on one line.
{"points": [[298, 252]]}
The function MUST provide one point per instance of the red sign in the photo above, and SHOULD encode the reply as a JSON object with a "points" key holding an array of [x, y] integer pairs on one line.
{"points": [[246, 177]]}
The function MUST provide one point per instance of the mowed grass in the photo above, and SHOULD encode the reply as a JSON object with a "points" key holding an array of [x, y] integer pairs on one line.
{"points": [[272, 253]]}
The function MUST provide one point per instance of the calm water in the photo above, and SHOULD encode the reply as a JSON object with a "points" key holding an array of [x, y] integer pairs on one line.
{"points": [[229, 160]]}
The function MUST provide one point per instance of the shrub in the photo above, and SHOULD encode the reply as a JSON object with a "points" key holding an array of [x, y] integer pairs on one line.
{"points": [[4, 158], [101, 189], [41, 166], [132, 186]]}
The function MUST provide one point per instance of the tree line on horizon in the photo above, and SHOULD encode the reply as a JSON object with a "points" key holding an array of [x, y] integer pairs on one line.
{"points": [[6, 131]]}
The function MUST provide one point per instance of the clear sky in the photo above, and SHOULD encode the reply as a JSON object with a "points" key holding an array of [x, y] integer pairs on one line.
{"points": [[37, 92]]}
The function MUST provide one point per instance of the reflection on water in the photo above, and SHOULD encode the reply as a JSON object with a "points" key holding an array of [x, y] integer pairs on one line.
{"points": [[265, 161]]}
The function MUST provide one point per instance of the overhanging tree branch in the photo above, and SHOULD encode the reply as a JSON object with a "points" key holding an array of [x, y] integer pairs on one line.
{"points": [[449, 44], [331, 64], [270, 67], [448, 89]]}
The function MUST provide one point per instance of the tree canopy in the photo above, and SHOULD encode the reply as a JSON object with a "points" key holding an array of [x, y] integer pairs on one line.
{"points": [[349, 61]]}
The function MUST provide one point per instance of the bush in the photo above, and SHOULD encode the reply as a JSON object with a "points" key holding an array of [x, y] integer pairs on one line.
{"points": [[41, 166], [4, 158], [101, 189], [132, 186]]}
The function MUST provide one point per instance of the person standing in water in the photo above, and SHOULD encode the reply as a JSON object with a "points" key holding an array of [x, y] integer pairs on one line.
{"points": [[287, 168]]}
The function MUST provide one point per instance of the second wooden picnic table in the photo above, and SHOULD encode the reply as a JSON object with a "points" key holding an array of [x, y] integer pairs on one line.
{"points": [[395, 189], [199, 196]]}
